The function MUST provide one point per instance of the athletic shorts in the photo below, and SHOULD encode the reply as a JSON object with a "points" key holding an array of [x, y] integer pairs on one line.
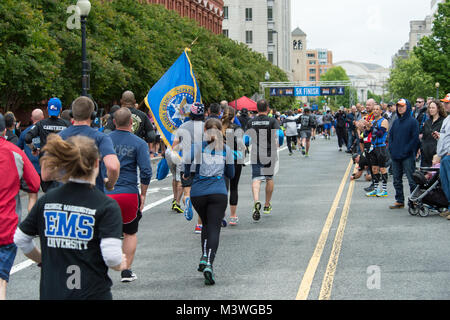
{"points": [[186, 182], [305, 134], [326, 126], [129, 206], [379, 157], [262, 172], [7, 255], [175, 169]]}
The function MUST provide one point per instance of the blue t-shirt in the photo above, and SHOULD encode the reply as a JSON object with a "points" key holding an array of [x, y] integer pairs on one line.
{"points": [[103, 142], [22, 145], [132, 152]]}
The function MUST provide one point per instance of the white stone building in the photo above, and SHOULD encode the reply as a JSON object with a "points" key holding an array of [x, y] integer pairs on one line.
{"points": [[264, 25]]}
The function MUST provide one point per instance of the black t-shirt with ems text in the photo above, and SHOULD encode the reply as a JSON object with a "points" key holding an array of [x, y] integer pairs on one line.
{"points": [[266, 130], [71, 221]]}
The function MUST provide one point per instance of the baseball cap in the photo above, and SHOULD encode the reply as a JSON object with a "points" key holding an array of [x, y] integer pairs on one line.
{"points": [[2, 123], [447, 98], [402, 102], [198, 108], [54, 107]]}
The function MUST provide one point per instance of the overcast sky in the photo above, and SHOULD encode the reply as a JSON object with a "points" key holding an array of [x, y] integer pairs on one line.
{"points": [[369, 31]]}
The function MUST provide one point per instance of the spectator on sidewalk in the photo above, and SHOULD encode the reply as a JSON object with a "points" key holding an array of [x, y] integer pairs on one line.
{"points": [[443, 151], [403, 146]]}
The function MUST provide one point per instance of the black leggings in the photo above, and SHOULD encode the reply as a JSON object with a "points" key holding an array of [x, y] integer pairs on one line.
{"points": [[289, 140], [211, 209], [232, 185]]}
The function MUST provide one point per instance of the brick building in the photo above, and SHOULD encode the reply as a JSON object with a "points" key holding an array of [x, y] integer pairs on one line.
{"points": [[208, 13]]}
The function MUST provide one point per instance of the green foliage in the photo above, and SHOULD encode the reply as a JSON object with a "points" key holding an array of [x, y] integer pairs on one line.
{"points": [[130, 46], [408, 80], [433, 52], [338, 74]]}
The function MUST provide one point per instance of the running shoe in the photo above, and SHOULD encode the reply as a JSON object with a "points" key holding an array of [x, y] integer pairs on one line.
{"points": [[369, 188], [198, 229], [188, 213], [290, 153], [224, 223], [177, 208], [256, 211], [203, 263], [307, 155], [268, 210], [372, 193], [208, 273], [173, 203], [382, 194], [234, 221], [127, 276]]}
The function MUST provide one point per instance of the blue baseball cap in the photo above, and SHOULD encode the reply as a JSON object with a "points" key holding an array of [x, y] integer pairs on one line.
{"points": [[54, 107]]}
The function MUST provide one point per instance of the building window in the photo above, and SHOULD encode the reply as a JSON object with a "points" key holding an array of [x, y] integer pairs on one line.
{"points": [[311, 55], [225, 32], [312, 61], [312, 78], [270, 57], [270, 36], [248, 14], [270, 13], [312, 70], [225, 12], [249, 37]]}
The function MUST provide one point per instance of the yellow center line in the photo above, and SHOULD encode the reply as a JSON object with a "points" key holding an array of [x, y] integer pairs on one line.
{"points": [[305, 285], [327, 284]]}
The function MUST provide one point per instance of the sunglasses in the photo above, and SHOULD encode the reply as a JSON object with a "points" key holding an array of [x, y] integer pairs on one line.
{"points": [[420, 101]]}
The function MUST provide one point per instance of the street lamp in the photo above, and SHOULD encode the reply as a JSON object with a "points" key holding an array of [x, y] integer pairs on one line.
{"points": [[437, 85], [85, 8]]}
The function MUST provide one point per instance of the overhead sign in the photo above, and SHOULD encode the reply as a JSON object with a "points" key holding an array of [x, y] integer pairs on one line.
{"points": [[307, 91], [282, 92], [332, 91]]}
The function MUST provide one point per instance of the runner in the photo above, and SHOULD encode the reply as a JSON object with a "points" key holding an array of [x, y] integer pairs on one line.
{"points": [[262, 130], [290, 125], [175, 169], [307, 122], [209, 192], [363, 164], [133, 154], [233, 137], [54, 124], [36, 116], [83, 113], [327, 119], [378, 153], [15, 170], [188, 133], [79, 226]]}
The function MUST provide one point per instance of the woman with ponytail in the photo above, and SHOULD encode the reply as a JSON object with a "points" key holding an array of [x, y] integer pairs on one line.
{"points": [[234, 139], [79, 227], [211, 163]]}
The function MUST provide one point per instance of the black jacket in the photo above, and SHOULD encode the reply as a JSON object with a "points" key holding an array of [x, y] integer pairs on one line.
{"points": [[45, 127]]}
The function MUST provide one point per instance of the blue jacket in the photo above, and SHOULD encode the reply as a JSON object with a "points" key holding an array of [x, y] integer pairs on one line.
{"points": [[404, 135]]}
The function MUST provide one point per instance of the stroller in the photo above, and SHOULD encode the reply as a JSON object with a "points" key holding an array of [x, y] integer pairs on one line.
{"points": [[428, 197]]}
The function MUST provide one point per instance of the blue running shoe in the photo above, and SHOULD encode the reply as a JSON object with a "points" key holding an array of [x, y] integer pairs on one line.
{"points": [[208, 273], [188, 213]]}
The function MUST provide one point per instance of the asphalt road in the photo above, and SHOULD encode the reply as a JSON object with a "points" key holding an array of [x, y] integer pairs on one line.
{"points": [[376, 253]]}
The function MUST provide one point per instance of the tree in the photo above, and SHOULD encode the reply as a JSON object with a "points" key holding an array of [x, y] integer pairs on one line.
{"points": [[433, 52], [130, 45], [408, 80], [339, 74]]}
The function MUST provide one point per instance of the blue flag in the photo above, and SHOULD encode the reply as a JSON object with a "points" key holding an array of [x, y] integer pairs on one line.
{"points": [[170, 99]]}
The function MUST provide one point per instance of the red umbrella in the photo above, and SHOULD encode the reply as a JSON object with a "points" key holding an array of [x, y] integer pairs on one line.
{"points": [[244, 102]]}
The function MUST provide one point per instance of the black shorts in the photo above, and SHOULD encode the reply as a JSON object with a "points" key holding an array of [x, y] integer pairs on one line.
{"points": [[186, 182], [379, 157]]}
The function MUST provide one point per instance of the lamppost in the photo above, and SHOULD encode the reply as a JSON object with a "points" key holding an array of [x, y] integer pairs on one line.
{"points": [[85, 8], [437, 85]]}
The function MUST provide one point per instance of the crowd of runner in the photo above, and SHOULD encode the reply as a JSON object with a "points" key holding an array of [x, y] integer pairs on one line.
{"points": [[94, 175]]}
